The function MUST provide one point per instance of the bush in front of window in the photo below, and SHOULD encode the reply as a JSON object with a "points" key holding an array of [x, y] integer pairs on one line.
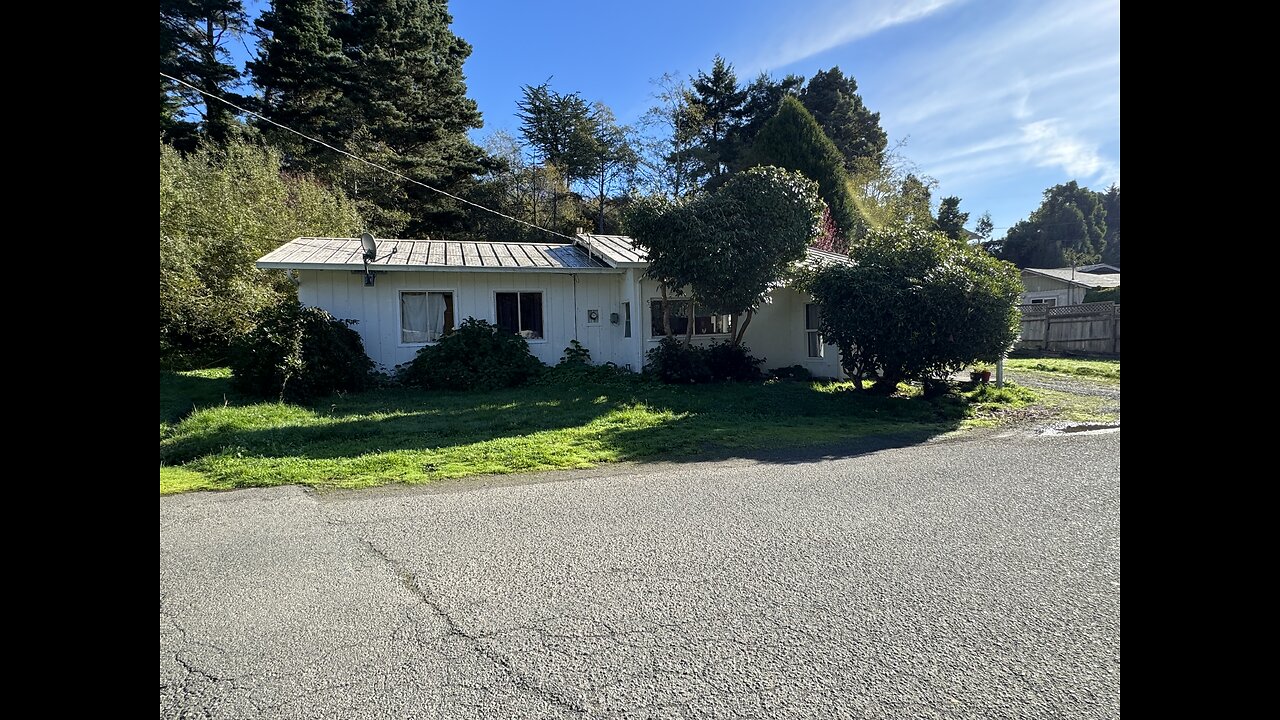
{"points": [[732, 363], [297, 353], [675, 363], [476, 356]]}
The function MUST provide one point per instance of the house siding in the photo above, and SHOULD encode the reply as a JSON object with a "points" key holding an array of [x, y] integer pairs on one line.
{"points": [[1039, 286]]}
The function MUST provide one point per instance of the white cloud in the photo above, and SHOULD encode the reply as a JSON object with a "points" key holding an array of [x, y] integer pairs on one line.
{"points": [[1047, 144], [839, 26]]}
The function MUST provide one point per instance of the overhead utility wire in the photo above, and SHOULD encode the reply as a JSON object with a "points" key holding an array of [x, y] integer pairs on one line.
{"points": [[370, 163]]}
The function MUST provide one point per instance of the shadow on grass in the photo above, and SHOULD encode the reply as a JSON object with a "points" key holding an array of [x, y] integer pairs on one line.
{"points": [[181, 393], [545, 428]]}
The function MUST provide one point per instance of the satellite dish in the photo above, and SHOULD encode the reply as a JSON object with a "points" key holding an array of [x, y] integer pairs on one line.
{"points": [[370, 247]]}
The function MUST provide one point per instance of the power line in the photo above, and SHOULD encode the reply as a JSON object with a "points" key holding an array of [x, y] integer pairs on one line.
{"points": [[357, 158]]}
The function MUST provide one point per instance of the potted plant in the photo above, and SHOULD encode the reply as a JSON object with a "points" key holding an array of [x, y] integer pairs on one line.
{"points": [[980, 374]]}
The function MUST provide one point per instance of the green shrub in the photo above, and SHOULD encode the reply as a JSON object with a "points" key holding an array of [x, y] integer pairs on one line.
{"points": [[575, 369], [732, 362], [297, 353], [795, 372], [1111, 294], [476, 356], [675, 363], [220, 209]]}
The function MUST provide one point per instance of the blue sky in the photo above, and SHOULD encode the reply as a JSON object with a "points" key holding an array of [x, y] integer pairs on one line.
{"points": [[998, 99]]}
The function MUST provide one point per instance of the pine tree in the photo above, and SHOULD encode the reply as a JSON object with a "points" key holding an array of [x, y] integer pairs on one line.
{"points": [[714, 113], [950, 220], [410, 108], [300, 70], [833, 99], [764, 96], [793, 140], [193, 47]]}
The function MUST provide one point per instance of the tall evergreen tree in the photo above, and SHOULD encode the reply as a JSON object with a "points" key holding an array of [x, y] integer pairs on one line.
{"points": [[984, 229], [558, 128], [793, 140], [950, 220], [611, 156], [714, 113], [833, 99], [1111, 203], [301, 71], [410, 109], [194, 35], [914, 200], [764, 97]]}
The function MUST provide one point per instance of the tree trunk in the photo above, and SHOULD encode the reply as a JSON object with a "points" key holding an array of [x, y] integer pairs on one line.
{"points": [[666, 313], [600, 211], [737, 336]]}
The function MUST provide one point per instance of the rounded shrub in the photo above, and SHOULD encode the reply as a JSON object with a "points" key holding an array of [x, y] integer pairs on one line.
{"points": [[727, 361], [298, 353], [476, 356]]}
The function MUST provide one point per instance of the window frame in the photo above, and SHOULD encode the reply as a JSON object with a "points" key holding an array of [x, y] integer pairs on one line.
{"points": [[808, 348], [733, 320], [626, 318], [1049, 301], [546, 330], [400, 313]]}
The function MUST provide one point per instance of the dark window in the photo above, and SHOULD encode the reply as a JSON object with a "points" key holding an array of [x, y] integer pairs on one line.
{"points": [[626, 319], [704, 323], [812, 323], [520, 313]]}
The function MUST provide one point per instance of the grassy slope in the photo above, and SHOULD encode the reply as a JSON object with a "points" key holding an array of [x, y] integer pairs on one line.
{"points": [[413, 436]]}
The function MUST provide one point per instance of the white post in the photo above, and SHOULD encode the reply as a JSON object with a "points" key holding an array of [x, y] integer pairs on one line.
{"points": [[1000, 372]]}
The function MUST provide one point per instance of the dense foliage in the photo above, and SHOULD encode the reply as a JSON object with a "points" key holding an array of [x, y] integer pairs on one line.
{"points": [[575, 369], [476, 356], [729, 247], [677, 363], [792, 139], [1072, 221], [297, 353], [1111, 294], [832, 97], [917, 305], [221, 209]]}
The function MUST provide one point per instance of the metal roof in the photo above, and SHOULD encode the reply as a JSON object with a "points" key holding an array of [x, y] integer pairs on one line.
{"points": [[408, 255], [1082, 279], [617, 250], [621, 251]]}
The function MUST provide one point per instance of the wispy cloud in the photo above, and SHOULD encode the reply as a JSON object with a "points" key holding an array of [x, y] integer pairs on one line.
{"points": [[831, 27], [1048, 144]]}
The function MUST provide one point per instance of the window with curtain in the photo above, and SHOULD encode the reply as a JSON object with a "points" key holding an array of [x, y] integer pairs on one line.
{"points": [[425, 317], [520, 313], [812, 337], [704, 323]]}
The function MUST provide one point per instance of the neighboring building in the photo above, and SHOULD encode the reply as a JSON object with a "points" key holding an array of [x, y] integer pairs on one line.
{"points": [[592, 290], [1098, 269], [1060, 286]]}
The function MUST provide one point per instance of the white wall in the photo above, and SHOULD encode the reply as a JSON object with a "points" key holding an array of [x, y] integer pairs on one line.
{"points": [[377, 308], [776, 333]]}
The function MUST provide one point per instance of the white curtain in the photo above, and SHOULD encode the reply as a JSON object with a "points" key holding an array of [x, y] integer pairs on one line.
{"points": [[413, 318], [435, 316]]}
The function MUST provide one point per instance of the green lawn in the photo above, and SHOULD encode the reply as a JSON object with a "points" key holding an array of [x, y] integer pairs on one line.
{"points": [[1100, 369], [412, 436]]}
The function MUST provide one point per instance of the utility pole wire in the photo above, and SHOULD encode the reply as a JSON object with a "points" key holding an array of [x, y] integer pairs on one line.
{"points": [[357, 158]]}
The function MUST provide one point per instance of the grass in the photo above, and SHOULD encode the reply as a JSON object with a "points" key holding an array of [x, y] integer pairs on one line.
{"points": [[210, 439], [1108, 370]]}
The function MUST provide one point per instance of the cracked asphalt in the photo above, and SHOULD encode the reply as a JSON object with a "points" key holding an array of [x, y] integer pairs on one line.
{"points": [[972, 578]]}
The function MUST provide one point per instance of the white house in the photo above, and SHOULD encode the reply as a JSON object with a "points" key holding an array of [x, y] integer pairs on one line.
{"points": [[592, 291], [1064, 286]]}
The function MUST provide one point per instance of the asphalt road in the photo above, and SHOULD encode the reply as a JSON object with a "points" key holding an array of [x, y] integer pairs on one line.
{"points": [[965, 579]]}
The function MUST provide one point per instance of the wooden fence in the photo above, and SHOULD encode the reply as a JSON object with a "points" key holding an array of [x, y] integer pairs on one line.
{"points": [[1090, 328]]}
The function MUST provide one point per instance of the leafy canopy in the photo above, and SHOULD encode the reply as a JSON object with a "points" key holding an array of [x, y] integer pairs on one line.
{"points": [[731, 246], [917, 305]]}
